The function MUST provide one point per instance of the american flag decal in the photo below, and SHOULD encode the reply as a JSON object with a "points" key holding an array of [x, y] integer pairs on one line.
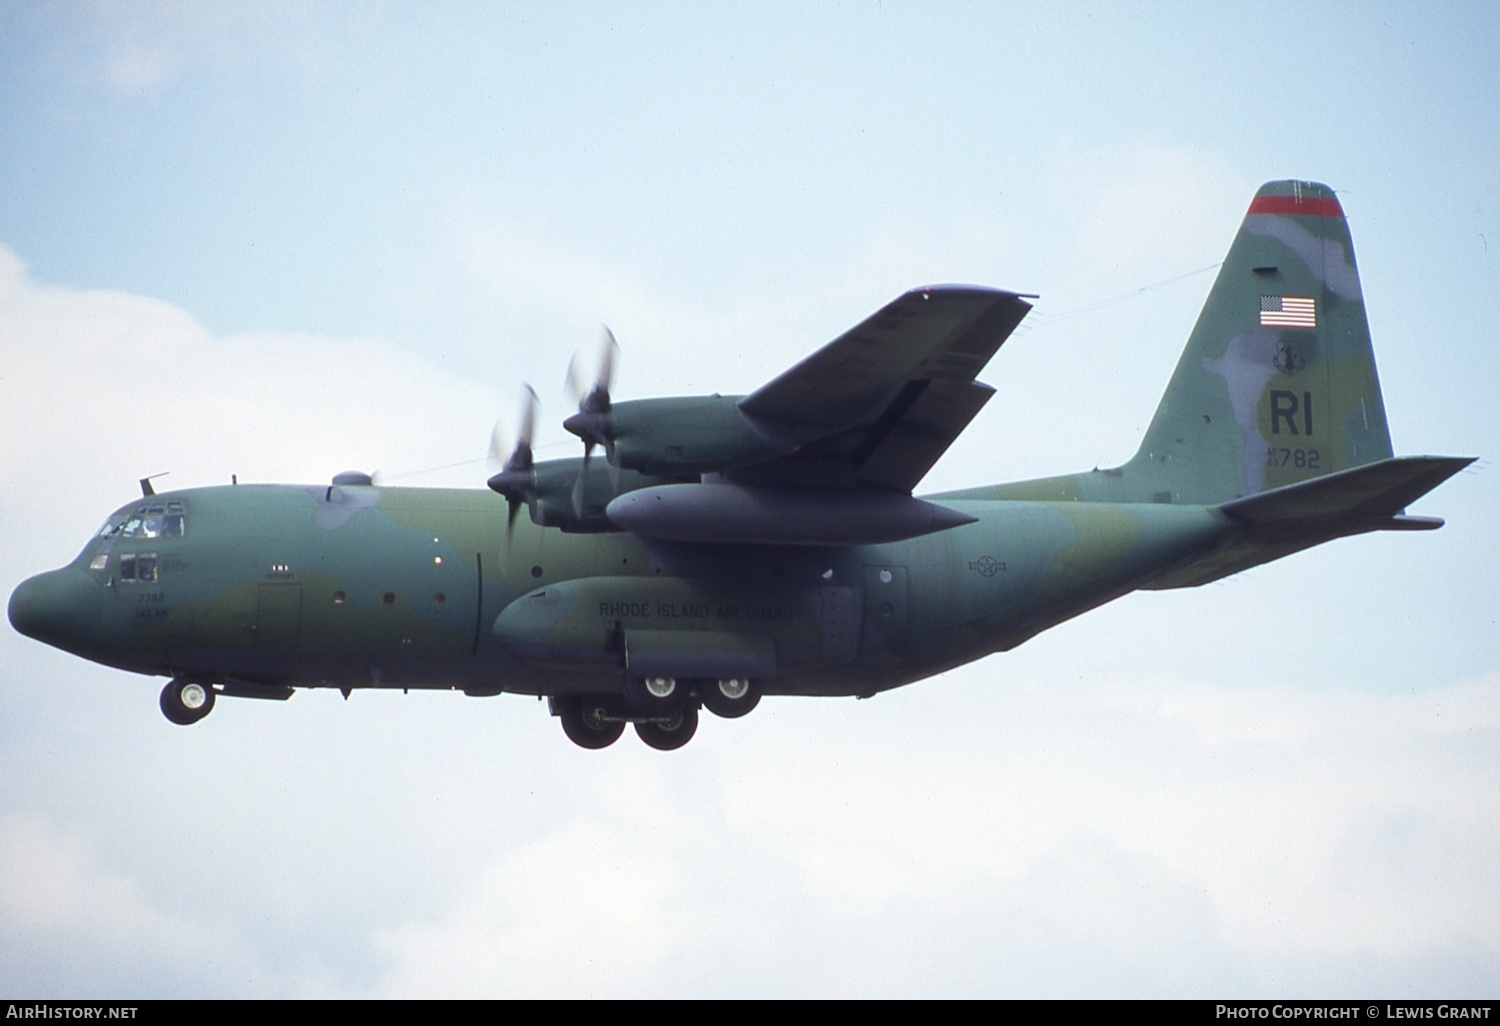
{"points": [[1288, 312]]}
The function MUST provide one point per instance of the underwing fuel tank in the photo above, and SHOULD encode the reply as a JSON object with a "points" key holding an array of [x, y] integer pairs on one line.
{"points": [[730, 514], [681, 627]]}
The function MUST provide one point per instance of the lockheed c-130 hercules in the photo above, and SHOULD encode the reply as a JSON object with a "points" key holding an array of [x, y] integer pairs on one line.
{"points": [[768, 544]]}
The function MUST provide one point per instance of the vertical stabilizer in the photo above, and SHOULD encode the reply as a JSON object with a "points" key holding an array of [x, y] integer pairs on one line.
{"points": [[1277, 384]]}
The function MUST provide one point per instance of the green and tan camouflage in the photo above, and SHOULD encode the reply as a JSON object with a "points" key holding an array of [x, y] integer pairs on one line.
{"points": [[768, 544], [1277, 383]]}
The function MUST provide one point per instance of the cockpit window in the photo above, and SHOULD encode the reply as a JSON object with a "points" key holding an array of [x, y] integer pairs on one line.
{"points": [[156, 520]]}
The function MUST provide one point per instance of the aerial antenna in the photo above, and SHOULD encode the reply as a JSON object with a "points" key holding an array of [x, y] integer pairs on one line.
{"points": [[146, 490], [1048, 320]]}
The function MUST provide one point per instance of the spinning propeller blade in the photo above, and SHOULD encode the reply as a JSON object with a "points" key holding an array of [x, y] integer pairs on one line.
{"points": [[592, 422], [517, 479]]}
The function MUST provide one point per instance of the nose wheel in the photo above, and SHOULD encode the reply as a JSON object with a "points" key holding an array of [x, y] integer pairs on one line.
{"points": [[185, 701]]}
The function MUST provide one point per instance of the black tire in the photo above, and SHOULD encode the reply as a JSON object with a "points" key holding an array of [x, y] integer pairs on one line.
{"points": [[185, 701], [720, 704], [669, 734], [583, 722], [645, 697]]}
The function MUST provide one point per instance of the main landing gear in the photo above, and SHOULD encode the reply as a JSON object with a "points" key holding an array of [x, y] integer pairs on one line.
{"points": [[597, 721], [729, 697], [671, 733], [663, 709], [588, 720], [185, 700]]}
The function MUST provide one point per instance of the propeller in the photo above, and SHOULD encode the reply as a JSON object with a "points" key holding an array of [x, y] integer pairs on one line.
{"points": [[592, 422], [517, 478]]}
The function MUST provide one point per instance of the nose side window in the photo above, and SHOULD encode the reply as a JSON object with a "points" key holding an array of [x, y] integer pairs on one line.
{"points": [[139, 567]]}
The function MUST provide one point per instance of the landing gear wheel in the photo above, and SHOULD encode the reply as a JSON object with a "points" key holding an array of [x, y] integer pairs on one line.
{"points": [[656, 696], [729, 697], [584, 723], [185, 701], [669, 734]]}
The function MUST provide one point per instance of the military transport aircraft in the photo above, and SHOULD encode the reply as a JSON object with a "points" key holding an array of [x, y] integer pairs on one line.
{"points": [[767, 544]]}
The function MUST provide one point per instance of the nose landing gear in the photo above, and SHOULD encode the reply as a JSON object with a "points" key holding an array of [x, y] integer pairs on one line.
{"points": [[185, 700]]}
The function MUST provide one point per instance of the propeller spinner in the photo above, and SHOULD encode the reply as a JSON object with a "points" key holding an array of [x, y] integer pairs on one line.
{"points": [[517, 478]]}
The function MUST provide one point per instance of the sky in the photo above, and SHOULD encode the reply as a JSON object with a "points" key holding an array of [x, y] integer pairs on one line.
{"points": [[281, 240]]}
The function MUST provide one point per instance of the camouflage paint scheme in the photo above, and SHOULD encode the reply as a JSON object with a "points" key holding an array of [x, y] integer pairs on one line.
{"points": [[1271, 437]]}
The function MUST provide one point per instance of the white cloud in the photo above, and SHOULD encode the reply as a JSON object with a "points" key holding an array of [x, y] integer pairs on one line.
{"points": [[51, 884], [1162, 852], [105, 387], [73, 925], [141, 46], [579, 913]]}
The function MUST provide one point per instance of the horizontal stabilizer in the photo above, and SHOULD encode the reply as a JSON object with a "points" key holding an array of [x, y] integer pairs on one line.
{"points": [[1374, 491], [1298, 516]]}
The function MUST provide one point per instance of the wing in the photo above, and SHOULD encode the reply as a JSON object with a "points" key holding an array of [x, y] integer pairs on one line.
{"points": [[890, 395]]}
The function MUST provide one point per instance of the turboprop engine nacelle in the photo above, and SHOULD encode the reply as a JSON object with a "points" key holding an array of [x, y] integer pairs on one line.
{"points": [[692, 435], [550, 501]]}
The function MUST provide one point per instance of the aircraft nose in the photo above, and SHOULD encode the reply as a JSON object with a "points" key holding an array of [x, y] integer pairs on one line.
{"points": [[60, 608]]}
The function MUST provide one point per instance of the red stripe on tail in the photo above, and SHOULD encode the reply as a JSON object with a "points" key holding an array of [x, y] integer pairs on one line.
{"points": [[1303, 206]]}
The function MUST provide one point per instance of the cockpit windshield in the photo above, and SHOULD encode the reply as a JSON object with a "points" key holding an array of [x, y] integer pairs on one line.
{"points": [[154, 520]]}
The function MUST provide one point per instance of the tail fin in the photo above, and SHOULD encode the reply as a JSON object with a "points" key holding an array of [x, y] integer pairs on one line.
{"points": [[1277, 384]]}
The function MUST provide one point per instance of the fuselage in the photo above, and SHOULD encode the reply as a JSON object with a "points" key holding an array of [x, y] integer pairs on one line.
{"points": [[362, 586]]}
